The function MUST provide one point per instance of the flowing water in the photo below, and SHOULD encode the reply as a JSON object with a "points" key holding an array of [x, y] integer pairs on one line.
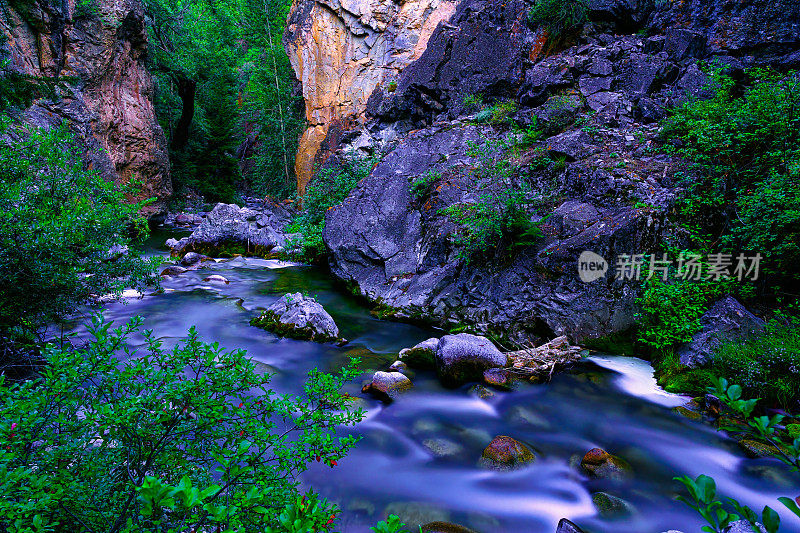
{"points": [[609, 402]]}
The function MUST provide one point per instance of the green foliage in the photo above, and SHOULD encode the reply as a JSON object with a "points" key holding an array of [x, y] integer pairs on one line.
{"points": [[58, 226], [19, 90], [502, 111], [559, 16], [500, 220], [331, 186], [420, 187], [703, 491], [471, 101], [207, 164], [767, 367], [274, 117], [111, 439], [744, 192], [669, 312], [307, 513], [525, 139], [393, 524]]}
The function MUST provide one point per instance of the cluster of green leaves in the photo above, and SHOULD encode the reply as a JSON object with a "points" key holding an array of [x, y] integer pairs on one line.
{"points": [[328, 189], [62, 231], [719, 515], [420, 186], [767, 367], [743, 194], [163, 440], [500, 220], [669, 311], [18, 90], [559, 16], [765, 429]]}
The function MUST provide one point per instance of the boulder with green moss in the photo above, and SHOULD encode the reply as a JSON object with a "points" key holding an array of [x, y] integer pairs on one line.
{"points": [[299, 317]]}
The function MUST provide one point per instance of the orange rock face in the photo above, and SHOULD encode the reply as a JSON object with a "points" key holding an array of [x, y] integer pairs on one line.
{"points": [[342, 51], [107, 99]]}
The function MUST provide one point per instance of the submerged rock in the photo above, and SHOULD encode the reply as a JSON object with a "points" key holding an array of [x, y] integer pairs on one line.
{"points": [[415, 514], [610, 506], [216, 278], [299, 317], [444, 448], [506, 453], [387, 386], [173, 270], [598, 463], [464, 357]]}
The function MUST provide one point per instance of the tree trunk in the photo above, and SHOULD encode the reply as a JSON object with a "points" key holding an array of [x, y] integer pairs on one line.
{"points": [[186, 91]]}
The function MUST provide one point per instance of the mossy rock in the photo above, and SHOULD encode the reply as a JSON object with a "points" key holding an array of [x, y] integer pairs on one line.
{"points": [[793, 430], [271, 322], [506, 453], [610, 506], [688, 413]]}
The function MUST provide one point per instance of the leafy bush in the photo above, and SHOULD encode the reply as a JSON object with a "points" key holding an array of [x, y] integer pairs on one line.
{"points": [[158, 440], [331, 186], [764, 429], [559, 16], [59, 228], [502, 111], [420, 186], [767, 367], [500, 220], [744, 191], [669, 312]]}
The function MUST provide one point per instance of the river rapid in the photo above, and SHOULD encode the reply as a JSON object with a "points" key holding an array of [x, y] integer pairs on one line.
{"points": [[418, 456]]}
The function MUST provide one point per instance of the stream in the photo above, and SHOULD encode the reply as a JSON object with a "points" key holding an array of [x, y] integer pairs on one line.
{"points": [[609, 401]]}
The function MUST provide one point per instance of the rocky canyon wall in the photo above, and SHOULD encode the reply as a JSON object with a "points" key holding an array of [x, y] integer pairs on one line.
{"points": [[99, 50], [341, 51]]}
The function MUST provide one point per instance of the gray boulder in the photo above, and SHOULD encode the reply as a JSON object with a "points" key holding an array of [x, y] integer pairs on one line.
{"points": [[464, 357], [299, 317], [229, 224], [727, 320]]}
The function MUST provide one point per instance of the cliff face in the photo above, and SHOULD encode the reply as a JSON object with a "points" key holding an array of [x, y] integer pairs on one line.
{"points": [[108, 97], [595, 101], [342, 51]]}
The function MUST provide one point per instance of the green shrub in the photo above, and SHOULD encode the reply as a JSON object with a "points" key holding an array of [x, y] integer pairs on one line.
{"points": [[559, 16], [744, 191], [501, 219], [766, 367], [58, 225], [502, 111], [472, 101], [420, 186], [669, 312], [156, 440], [331, 186]]}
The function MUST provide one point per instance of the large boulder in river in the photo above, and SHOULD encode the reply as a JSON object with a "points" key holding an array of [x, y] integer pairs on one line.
{"points": [[506, 453], [229, 226], [299, 317], [725, 321], [464, 357]]}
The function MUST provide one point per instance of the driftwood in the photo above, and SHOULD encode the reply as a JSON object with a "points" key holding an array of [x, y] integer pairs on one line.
{"points": [[542, 361]]}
